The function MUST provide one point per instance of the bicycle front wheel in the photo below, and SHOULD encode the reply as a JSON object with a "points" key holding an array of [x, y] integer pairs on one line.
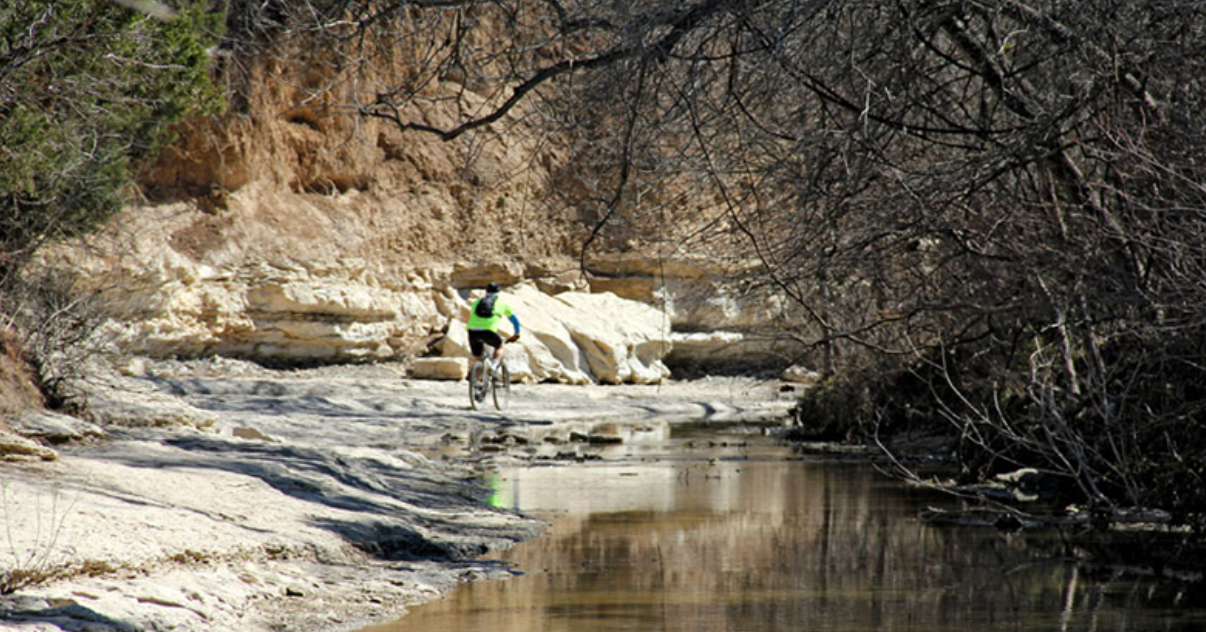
{"points": [[501, 378], [478, 383]]}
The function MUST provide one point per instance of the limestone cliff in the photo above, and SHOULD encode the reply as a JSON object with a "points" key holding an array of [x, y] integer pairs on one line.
{"points": [[291, 231]]}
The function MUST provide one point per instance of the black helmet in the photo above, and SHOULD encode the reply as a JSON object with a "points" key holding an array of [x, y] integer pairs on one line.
{"points": [[492, 288]]}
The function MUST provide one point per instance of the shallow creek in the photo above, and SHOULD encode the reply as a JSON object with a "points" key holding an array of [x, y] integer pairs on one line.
{"points": [[728, 530]]}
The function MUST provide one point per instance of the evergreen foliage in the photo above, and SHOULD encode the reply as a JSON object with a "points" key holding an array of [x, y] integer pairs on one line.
{"points": [[88, 88]]}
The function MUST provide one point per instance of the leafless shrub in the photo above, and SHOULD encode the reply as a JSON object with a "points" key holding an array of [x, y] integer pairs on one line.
{"points": [[52, 324]]}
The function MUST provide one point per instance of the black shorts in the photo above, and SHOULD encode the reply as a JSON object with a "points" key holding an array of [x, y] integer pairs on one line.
{"points": [[480, 337]]}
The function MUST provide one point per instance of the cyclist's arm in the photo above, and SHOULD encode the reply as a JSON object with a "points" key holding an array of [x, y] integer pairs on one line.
{"points": [[514, 323]]}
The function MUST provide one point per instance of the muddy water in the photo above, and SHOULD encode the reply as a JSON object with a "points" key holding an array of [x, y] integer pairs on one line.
{"points": [[703, 532]]}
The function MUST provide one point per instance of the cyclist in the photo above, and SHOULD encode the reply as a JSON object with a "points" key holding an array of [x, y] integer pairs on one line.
{"points": [[484, 317]]}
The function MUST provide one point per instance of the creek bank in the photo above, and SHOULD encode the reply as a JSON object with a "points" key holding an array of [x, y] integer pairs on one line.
{"points": [[1117, 541], [218, 495]]}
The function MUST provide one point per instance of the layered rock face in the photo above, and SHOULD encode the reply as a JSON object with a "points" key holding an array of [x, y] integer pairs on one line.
{"points": [[256, 297], [288, 234], [718, 320], [301, 291]]}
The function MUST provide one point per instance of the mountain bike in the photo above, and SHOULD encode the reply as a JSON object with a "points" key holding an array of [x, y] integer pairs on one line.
{"points": [[488, 378]]}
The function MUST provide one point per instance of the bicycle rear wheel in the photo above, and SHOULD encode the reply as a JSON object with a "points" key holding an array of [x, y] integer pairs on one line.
{"points": [[478, 383], [501, 378]]}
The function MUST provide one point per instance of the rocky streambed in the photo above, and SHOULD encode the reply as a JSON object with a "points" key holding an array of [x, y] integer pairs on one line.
{"points": [[220, 495]]}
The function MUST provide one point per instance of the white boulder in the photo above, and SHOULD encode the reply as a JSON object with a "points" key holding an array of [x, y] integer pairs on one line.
{"points": [[578, 338], [438, 368]]}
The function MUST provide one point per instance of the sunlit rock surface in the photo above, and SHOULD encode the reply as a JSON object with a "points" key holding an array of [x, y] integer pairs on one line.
{"points": [[576, 338]]}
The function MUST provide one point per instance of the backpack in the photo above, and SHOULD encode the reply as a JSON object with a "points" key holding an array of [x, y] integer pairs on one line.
{"points": [[485, 307]]}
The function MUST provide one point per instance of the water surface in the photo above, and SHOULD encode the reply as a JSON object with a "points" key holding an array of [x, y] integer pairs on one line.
{"points": [[705, 531]]}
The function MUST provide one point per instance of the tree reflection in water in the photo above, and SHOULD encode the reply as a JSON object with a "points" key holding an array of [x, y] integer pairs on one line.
{"points": [[750, 538]]}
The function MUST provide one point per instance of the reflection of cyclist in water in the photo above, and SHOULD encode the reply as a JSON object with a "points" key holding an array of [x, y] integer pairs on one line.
{"points": [[484, 317]]}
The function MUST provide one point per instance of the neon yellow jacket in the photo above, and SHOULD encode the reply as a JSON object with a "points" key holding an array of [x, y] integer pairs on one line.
{"points": [[501, 310]]}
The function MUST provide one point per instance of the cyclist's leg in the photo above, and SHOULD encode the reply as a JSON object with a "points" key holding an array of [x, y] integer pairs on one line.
{"points": [[494, 340], [477, 340], [479, 376]]}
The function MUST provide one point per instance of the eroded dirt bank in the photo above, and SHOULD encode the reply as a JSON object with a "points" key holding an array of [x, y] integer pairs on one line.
{"points": [[224, 496]]}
